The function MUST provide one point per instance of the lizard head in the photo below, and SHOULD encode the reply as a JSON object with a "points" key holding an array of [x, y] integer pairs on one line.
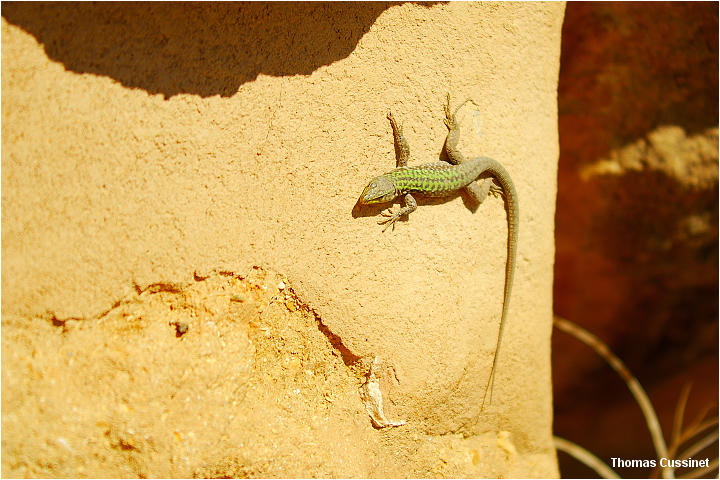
{"points": [[379, 190]]}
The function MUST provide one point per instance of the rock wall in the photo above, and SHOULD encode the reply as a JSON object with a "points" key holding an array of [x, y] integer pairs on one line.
{"points": [[637, 219], [158, 145]]}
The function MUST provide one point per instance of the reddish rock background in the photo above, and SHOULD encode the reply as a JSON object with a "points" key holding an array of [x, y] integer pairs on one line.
{"points": [[637, 219]]}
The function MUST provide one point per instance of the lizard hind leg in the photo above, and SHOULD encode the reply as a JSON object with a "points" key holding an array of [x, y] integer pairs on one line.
{"points": [[454, 155], [450, 121], [482, 188], [495, 190]]}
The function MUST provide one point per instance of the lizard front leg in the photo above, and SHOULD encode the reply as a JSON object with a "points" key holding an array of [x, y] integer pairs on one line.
{"points": [[402, 149], [410, 206]]}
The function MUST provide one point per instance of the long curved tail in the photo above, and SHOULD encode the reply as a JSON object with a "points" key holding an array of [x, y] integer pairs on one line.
{"points": [[503, 177]]}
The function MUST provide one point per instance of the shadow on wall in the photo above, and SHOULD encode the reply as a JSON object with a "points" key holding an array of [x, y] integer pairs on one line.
{"points": [[198, 49]]}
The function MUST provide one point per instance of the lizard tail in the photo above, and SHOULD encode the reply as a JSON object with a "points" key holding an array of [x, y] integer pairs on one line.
{"points": [[503, 177]]}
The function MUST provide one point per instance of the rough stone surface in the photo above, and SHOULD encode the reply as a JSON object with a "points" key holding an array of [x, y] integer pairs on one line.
{"points": [[143, 144]]}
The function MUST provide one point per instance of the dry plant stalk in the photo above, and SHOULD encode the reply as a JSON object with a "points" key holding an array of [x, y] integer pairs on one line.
{"points": [[633, 384], [584, 456], [680, 435]]}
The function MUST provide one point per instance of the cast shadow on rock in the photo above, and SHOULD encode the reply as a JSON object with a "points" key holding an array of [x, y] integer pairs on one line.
{"points": [[194, 48]]}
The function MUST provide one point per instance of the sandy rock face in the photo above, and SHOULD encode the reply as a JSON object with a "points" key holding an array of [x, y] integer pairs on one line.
{"points": [[152, 146]]}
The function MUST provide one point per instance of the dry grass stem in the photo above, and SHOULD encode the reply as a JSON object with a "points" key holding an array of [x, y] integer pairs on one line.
{"points": [[680, 414], [633, 384], [699, 445], [585, 457], [702, 471]]}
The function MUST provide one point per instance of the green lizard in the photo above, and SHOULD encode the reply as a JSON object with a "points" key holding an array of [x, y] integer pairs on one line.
{"points": [[440, 179]]}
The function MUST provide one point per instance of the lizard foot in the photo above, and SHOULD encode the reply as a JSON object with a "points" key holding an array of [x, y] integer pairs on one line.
{"points": [[449, 117], [391, 219], [497, 191], [450, 121], [392, 120]]}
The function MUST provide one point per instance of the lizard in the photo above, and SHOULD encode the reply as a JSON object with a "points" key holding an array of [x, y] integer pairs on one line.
{"points": [[441, 179]]}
